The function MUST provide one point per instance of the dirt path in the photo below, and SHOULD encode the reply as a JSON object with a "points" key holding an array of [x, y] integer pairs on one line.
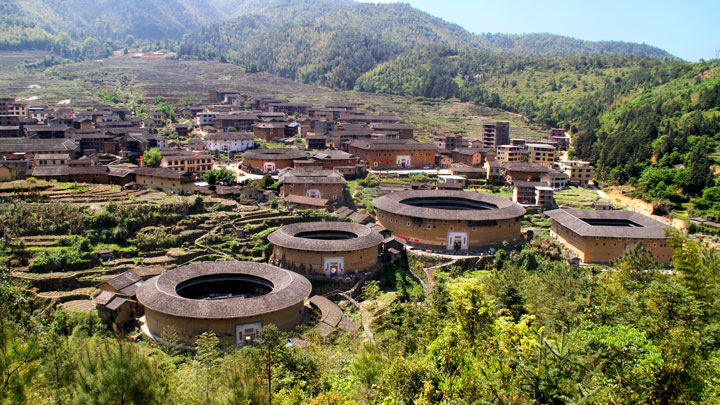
{"points": [[364, 314], [637, 205]]}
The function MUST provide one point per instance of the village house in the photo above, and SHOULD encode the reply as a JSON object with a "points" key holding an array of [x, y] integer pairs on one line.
{"points": [[11, 170], [404, 131], [344, 162], [185, 161], [229, 142], [316, 141], [494, 171], [523, 171], [468, 172], [557, 179], [290, 108], [325, 184], [117, 301], [15, 148], [443, 158], [11, 131], [450, 182], [235, 122], [264, 160], [308, 203], [600, 236], [530, 193], [394, 154], [579, 172], [341, 138], [541, 153], [450, 142], [74, 174], [50, 159], [509, 153], [165, 179], [9, 106], [472, 156], [269, 131]]}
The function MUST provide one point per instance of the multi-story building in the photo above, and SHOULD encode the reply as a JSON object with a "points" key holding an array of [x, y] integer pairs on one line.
{"points": [[235, 122], [164, 179], [496, 134], [206, 119], [8, 106], [404, 131], [269, 131], [183, 161], [448, 142], [579, 172], [229, 142], [533, 193], [557, 179], [313, 183], [394, 154], [509, 153], [270, 160], [540, 153]]}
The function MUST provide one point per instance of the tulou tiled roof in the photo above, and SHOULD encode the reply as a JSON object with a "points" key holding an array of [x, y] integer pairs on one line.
{"points": [[634, 224], [495, 208], [291, 236], [160, 293]]}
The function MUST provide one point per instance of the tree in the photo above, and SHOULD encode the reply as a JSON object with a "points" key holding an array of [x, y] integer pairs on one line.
{"points": [[17, 363], [152, 157], [269, 351], [117, 372], [700, 173], [222, 177]]}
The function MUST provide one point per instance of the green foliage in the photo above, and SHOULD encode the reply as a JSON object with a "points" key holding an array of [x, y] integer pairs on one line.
{"points": [[222, 177], [116, 372], [152, 157]]}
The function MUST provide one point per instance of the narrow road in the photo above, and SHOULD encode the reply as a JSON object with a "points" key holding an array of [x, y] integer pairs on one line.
{"points": [[365, 315], [599, 192]]}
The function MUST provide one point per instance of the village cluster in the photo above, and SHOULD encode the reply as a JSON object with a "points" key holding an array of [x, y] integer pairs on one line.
{"points": [[339, 143]]}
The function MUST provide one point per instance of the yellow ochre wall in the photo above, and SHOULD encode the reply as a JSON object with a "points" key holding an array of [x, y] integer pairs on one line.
{"points": [[507, 229], [188, 329], [592, 249]]}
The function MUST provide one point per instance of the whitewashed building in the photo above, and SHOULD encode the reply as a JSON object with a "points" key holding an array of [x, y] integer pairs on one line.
{"points": [[229, 142]]}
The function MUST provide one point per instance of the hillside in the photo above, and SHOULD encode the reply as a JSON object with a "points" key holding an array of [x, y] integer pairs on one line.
{"points": [[171, 19]]}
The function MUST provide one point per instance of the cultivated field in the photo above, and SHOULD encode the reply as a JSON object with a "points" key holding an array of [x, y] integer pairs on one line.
{"points": [[140, 79]]}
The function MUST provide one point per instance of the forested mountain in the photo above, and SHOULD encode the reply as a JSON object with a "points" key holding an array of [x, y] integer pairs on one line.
{"points": [[171, 19], [635, 109]]}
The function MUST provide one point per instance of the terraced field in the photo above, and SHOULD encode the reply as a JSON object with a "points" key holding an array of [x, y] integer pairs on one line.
{"points": [[143, 79]]}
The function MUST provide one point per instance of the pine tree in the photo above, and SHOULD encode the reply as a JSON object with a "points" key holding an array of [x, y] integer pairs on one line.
{"points": [[117, 372]]}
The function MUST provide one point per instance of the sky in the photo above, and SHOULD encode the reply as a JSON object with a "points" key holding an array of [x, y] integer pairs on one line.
{"points": [[689, 29]]}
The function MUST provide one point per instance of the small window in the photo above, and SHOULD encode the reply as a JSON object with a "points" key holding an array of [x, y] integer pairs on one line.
{"points": [[474, 228], [408, 224], [452, 228], [429, 226]]}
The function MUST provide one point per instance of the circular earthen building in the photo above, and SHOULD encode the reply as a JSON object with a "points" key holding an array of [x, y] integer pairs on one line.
{"points": [[325, 248], [449, 220], [232, 299]]}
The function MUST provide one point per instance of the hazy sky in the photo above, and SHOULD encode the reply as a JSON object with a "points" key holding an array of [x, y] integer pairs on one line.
{"points": [[689, 29]]}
